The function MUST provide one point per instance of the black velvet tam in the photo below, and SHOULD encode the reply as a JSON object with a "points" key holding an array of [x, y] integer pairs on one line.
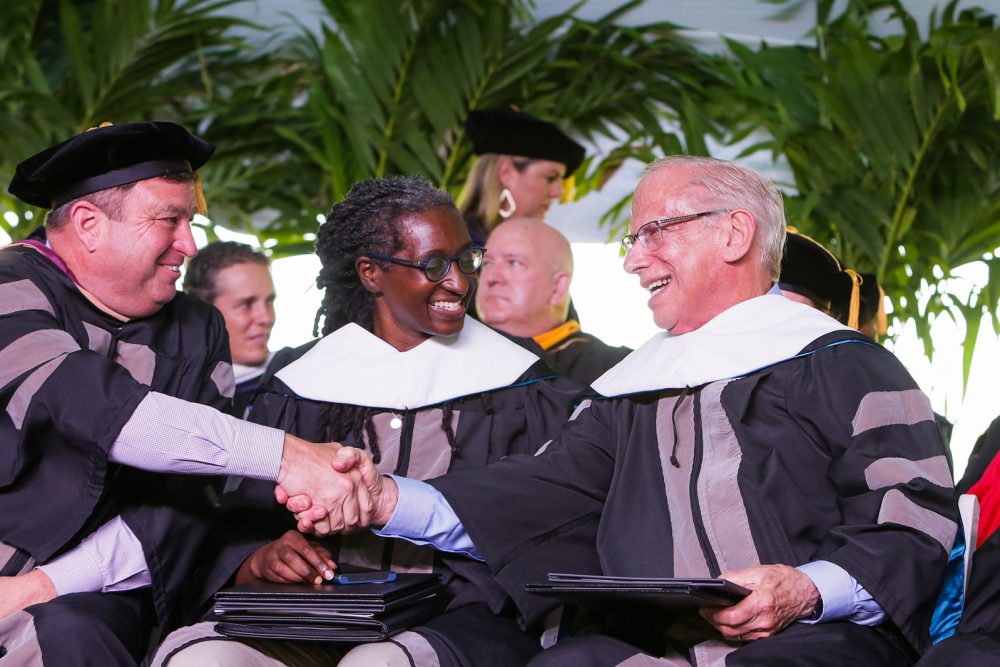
{"points": [[811, 270], [105, 157], [511, 132]]}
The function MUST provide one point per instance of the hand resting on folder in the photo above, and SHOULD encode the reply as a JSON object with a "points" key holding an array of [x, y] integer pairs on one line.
{"points": [[290, 559], [780, 595]]}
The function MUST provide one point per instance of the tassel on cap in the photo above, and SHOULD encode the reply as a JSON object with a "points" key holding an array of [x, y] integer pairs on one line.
{"points": [[855, 305], [201, 205], [882, 321]]}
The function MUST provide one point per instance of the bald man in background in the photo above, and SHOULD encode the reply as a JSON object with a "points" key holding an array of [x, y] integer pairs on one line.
{"points": [[524, 291]]}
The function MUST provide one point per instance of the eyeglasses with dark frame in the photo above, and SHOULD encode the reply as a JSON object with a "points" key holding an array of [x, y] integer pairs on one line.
{"points": [[650, 235], [436, 267]]}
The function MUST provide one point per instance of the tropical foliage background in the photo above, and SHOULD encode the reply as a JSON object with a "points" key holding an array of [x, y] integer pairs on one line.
{"points": [[889, 129], [887, 125]]}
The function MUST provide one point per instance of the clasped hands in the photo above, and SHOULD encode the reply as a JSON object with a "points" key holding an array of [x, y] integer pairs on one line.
{"points": [[332, 488]]}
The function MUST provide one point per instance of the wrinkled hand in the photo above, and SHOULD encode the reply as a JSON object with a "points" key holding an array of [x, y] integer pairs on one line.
{"points": [[24, 590], [309, 469], [781, 595], [380, 493], [290, 559]]}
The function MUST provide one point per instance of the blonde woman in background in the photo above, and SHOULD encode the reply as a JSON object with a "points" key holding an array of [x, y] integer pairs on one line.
{"points": [[521, 164]]}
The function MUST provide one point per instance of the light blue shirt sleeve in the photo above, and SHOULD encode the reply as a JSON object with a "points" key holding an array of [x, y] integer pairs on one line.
{"points": [[843, 597], [424, 517], [108, 560]]}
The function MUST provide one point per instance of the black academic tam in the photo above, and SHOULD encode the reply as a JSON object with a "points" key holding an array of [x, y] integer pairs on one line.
{"points": [[105, 157]]}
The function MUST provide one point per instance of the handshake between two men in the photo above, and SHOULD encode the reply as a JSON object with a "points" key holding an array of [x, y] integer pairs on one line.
{"points": [[332, 488]]}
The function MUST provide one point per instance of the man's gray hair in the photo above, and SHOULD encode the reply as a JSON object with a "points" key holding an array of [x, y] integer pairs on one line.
{"points": [[734, 186]]}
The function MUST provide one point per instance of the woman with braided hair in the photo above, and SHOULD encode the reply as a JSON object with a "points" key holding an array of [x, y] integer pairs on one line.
{"points": [[402, 372]]}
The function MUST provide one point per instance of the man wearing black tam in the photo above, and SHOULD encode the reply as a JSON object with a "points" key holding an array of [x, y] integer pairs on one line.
{"points": [[103, 365]]}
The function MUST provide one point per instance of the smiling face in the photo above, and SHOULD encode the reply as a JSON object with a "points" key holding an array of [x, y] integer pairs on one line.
{"points": [[135, 262], [682, 275], [245, 297], [409, 308], [533, 187]]}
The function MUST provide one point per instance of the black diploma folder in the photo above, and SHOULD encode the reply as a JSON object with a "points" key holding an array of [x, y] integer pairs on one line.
{"points": [[665, 593], [328, 612]]}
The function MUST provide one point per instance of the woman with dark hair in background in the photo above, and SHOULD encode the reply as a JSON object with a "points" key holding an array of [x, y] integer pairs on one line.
{"points": [[403, 373], [520, 169]]}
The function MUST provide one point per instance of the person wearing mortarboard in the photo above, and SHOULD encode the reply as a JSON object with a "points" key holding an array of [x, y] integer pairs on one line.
{"points": [[813, 275], [523, 164], [105, 368]]}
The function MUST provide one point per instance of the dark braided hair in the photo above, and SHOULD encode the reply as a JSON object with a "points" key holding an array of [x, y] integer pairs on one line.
{"points": [[366, 222]]}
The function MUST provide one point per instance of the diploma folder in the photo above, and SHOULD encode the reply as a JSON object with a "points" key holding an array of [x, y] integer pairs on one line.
{"points": [[668, 593], [328, 612]]}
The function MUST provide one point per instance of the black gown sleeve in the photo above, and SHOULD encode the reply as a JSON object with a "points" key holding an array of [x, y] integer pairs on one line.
{"points": [[61, 408], [898, 515], [531, 515]]}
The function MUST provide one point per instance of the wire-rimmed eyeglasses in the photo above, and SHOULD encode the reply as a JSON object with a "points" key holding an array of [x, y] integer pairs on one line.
{"points": [[650, 235], [436, 267]]}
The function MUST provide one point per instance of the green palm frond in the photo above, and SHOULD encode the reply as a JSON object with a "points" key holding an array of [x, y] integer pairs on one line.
{"points": [[68, 66], [888, 139]]}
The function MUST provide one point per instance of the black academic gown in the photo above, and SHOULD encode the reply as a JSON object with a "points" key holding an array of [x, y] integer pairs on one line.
{"points": [[516, 417], [70, 378], [582, 357], [826, 451]]}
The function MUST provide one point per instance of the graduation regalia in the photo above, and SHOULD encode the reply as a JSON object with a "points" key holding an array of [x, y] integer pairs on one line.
{"points": [[247, 379], [770, 435], [577, 355], [501, 400], [70, 378]]}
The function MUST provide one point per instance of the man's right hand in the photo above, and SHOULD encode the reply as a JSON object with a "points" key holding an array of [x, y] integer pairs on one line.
{"points": [[290, 559], [376, 493]]}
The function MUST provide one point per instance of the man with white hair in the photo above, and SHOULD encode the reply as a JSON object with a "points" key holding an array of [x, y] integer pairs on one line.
{"points": [[757, 440]]}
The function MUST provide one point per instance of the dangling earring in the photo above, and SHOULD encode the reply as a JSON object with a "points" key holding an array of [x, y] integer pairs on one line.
{"points": [[507, 204]]}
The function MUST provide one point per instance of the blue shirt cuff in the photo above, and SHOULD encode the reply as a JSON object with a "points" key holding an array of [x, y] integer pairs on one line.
{"points": [[843, 598], [423, 516]]}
